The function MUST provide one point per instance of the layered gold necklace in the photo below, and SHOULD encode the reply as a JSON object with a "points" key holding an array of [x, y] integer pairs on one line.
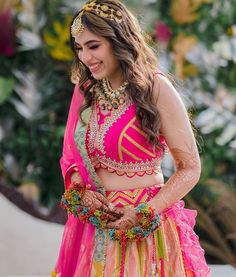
{"points": [[109, 98]]}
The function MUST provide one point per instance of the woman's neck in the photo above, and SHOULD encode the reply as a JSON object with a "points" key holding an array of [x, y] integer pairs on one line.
{"points": [[116, 81]]}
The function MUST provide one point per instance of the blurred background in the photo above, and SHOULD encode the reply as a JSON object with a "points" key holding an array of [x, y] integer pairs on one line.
{"points": [[196, 42]]}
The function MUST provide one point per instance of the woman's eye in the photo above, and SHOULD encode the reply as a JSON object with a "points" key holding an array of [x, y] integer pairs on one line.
{"points": [[94, 46]]}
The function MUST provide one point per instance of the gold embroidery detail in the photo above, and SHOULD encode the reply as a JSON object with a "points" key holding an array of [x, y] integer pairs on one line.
{"points": [[140, 147], [123, 149], [109, 121], [141, 132], [121, 136]]}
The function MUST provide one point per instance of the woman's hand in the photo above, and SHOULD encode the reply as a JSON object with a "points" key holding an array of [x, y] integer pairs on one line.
{"points": [[95, 200], [128, 220]]}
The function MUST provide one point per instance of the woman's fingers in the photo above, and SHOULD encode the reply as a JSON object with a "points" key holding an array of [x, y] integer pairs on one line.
{"points": [[113, 225], [116, 211], [101, 198], [111, 217]]}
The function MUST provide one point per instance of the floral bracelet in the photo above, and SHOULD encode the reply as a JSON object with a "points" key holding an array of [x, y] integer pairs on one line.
{"points": [[71, 201], [149, 220]]}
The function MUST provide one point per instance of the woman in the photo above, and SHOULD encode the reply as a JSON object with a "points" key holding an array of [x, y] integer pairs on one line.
{"points": [[123, 116]]}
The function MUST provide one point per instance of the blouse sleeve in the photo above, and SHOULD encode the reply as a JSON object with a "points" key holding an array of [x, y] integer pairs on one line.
{"points": [[177, 130]]}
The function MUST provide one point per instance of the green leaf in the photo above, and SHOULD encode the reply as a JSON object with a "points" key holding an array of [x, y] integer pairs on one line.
{"points": [[6, 88]]}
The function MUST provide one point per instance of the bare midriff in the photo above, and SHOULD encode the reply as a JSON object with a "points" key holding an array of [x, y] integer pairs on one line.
{"points": [[113, 182]]}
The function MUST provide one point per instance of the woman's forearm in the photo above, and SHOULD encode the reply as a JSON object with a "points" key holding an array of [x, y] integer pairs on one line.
{"points": [[177, 186]]}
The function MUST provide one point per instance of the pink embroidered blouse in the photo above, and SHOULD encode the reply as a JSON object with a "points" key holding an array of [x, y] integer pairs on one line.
{"points": [[116, 141]]}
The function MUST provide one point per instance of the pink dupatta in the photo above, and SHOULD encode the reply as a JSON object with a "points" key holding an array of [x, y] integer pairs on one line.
{"points": [[70, 161]]}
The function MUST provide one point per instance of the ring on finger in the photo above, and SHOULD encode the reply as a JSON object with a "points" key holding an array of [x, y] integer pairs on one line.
{"points": [[111, 206]]}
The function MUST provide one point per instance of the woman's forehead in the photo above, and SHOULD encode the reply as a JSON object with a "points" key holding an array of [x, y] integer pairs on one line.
{"points": [[86, 36]]}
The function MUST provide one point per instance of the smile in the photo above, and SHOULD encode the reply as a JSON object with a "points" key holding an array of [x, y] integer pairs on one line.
{"points": [[95, 67]]}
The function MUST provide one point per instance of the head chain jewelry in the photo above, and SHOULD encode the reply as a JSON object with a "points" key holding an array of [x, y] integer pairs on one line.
{"points": [[100, 9]]}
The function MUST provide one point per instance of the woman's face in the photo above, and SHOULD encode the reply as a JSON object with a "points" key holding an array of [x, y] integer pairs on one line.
{"points": [[97, 54]]}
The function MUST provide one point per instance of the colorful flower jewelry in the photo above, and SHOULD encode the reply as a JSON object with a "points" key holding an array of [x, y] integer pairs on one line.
{"points": [[149, 220], [71, 200]]}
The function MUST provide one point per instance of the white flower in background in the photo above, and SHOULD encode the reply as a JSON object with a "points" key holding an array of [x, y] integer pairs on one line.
{"points": [[11, 165], [202, 58], [28, 39], [30, 105], [232, 144], [209, 120], [226, 48], [219, 114], [28, 16], [228, 134], [29, 34]]}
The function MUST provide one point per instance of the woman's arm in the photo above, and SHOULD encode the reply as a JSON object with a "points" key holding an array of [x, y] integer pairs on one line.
{"points": [[177, 130]]}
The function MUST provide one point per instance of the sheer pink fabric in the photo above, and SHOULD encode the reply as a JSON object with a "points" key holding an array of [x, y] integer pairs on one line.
{"points": [[71, 160]]}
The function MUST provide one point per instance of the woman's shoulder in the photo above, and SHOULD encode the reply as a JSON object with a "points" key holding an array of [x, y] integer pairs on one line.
{"points": [[163, 89]]}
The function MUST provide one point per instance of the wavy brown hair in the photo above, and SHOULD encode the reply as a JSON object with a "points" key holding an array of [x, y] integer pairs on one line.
{"points": [[137, 60]]}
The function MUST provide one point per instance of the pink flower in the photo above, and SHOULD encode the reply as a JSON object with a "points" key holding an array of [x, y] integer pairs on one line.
{"points": [[7, 34], [162, 32]]}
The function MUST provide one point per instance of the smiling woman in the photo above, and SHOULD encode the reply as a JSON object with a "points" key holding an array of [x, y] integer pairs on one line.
{"points": [[124, 116], [96, 53]]}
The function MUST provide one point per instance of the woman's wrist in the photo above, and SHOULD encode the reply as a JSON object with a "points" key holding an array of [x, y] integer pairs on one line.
{"points": [[148, 221], [72, 201], [75, 177]]}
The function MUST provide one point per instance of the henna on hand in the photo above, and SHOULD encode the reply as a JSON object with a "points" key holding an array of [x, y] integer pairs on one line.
{"points": [[91, 200], [127, 221], [95, 200]]}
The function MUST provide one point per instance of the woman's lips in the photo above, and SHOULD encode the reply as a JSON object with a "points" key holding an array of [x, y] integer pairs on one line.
{"points": [[95, 67]]}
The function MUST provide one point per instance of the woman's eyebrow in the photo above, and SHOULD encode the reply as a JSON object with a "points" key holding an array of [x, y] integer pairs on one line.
{"points": [[87, 42]]}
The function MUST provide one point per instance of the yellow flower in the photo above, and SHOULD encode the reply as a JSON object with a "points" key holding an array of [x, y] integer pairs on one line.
{"points": [[130, 234], [7, 5], [190, 70], [185, 11], [98, 213], [230, 31], [181, 46], [103, 224], [59, 44]]}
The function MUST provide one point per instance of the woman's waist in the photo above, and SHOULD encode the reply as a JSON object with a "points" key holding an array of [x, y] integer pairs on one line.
{"points": [[113, 182]]}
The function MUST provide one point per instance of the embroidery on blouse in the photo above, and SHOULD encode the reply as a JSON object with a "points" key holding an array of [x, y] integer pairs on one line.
{"points": [[109, 121], [95, 140]]}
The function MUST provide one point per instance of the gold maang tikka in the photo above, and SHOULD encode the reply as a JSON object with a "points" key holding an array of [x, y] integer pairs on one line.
{"points": [[97, 8]]}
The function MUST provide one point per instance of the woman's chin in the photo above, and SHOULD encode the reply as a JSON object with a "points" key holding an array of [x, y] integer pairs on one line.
{"points": [[99, 75]]}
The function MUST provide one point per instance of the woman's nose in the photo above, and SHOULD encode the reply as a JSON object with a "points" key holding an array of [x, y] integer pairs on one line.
{"points": [[85, 56]]}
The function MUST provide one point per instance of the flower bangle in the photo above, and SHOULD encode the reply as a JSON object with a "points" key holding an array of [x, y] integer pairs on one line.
{"points": [[149, 220], [71, 201]]}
